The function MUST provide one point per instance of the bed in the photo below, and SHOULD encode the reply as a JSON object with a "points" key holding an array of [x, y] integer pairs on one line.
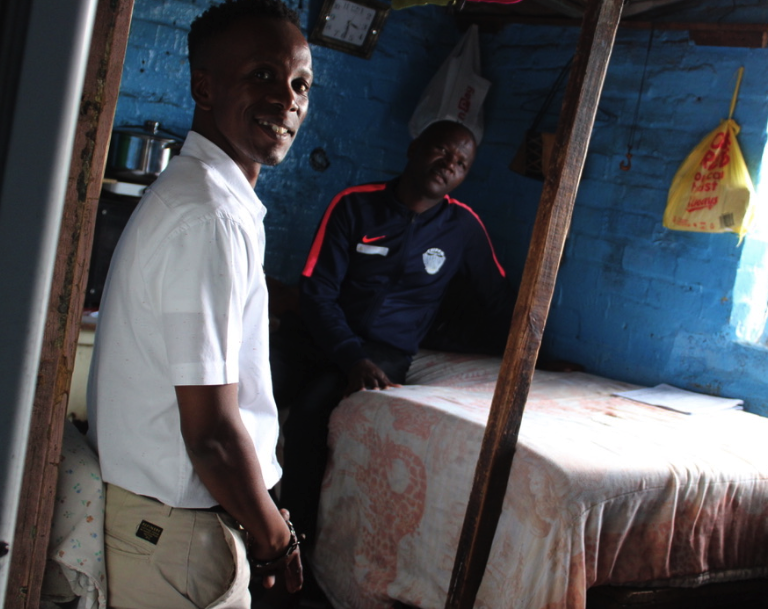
{"points": [[75, 572], [603, 490]]}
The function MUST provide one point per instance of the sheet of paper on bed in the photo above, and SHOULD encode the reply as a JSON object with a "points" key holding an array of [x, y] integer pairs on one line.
{"points": [[680, 400]]}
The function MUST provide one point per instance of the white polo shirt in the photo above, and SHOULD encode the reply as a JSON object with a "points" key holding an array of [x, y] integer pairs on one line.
{"points": [[185, 303]]}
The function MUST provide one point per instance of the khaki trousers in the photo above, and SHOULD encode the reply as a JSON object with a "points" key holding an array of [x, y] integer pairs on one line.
{"points": [[159, 557]]}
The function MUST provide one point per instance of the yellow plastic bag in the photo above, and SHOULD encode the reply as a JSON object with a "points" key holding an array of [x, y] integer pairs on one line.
{"points": [[712, 191]]}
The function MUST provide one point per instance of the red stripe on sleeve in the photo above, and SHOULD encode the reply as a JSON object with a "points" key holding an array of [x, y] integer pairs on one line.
{"points": [[487, 236], [317, 244]]}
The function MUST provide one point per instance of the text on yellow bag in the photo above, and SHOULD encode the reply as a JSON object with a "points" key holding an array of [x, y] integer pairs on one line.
{"points": [[712, 191]]}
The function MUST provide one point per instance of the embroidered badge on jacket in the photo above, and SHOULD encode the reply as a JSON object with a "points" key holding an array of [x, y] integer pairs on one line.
{"points": [[433, 259]]}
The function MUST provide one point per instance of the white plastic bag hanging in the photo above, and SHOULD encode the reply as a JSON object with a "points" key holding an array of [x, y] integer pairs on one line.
{"points": [[456, 91]]}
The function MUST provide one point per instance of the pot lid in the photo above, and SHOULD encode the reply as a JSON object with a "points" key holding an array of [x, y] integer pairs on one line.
{"points": [[150, 129]]}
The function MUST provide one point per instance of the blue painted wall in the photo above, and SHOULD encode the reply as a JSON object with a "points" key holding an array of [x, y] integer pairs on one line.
{"points": [[633, 301]]}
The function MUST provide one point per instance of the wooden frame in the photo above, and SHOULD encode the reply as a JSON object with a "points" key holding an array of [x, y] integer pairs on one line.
{"points": [[57, 359], [62, 328], [550, 230], [347, 39], [107, 54]]}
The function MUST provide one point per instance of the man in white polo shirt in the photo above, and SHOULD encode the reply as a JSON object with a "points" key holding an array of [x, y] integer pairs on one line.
{"points": [[180, 398]]}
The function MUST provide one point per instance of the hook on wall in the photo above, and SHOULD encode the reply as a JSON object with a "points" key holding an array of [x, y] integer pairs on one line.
{"points": [[626, 165]]}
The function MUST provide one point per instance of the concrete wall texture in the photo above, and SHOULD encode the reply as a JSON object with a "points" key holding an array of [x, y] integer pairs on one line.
{"points": [[634, 300]]}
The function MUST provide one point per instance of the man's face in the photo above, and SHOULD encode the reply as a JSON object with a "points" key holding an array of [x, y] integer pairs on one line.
{"points": [[254, 80], [440, 158]]}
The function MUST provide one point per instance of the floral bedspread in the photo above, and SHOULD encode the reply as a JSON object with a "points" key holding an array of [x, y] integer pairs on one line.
{"points": [[75, 566], [603, 490]]}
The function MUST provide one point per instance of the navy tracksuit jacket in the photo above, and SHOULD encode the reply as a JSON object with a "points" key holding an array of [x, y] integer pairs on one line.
{"points": [[378, 271]]}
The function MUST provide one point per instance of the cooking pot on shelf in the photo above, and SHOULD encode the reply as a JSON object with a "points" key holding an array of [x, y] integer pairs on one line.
{"points": [[139, 153]]}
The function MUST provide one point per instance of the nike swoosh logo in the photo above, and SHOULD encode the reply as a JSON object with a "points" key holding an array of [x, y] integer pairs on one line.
{"points": [[368, 239]]}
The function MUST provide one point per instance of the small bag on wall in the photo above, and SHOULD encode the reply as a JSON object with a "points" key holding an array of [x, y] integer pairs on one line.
{"points": [[533, 157], [456, 91], [712, 191]]}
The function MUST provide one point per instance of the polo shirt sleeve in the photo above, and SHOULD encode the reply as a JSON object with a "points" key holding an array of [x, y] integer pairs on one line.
{"points": [[201, 273]]}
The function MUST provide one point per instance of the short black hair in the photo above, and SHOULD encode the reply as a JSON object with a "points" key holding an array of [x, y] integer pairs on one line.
{"points": [[441, 124], [220, 17]]}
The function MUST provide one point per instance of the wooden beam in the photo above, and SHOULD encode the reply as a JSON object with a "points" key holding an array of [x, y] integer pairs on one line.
{"points": [[97, 109], [744, 35], [741, 35], [550, 229], [724, 37], [643, 6]]}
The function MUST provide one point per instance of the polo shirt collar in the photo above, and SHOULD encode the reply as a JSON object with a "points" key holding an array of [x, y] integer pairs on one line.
{"points": [[200, 147]]}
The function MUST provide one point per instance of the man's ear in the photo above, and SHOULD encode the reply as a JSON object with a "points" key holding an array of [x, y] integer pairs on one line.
{"points": [[200, 86]]}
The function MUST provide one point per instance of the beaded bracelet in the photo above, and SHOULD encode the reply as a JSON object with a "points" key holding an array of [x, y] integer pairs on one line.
{"points": [[293, 545]]}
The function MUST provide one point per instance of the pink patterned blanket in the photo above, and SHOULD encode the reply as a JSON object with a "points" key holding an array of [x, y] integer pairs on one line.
{"points": [[603, 490]]}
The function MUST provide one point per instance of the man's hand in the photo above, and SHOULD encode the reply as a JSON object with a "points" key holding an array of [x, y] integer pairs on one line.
{"points": [[367, 375], [288, 569], [225, 458]]}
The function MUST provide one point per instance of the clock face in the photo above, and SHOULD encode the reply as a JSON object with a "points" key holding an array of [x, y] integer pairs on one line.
{"points": [[349, 22]]}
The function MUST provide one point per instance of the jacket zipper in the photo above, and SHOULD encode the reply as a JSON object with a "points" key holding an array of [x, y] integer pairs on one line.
{"points": [[395, 277]]}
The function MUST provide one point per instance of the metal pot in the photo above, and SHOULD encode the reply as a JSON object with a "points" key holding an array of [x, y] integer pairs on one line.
{"points": [[140, 153]]}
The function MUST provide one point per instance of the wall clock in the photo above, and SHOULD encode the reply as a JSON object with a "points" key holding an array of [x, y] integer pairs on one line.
{"points": [[352, 26]]}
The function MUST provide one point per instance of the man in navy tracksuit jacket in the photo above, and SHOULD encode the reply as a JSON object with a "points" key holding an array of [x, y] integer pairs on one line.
{"points": [[379, 267]]}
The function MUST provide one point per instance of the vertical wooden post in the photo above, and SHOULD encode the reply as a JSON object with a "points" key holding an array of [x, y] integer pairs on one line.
{"points": [[582, 95], [97, 109]]}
